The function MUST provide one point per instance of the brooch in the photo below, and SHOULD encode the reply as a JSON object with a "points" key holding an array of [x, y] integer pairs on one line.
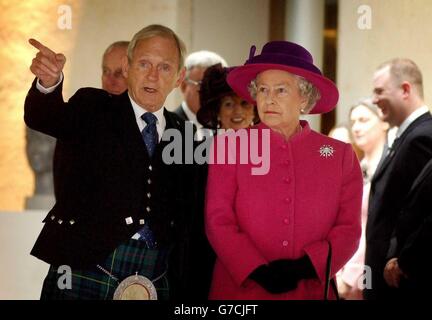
{"points": [[326, 151], [135, 288]]}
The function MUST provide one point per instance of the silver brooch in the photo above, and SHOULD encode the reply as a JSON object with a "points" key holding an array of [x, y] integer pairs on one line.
{"points": [[326, 151]]}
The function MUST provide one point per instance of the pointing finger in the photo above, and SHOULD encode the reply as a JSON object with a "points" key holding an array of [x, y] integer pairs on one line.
{"points": [[41, 47]]}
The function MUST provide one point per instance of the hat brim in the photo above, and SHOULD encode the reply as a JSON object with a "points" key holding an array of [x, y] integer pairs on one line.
{"points": [[240, 78]]}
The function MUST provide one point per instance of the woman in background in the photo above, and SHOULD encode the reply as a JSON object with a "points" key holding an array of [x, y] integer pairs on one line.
{"points": [[369, 134], [342, 132], [221, 107]]}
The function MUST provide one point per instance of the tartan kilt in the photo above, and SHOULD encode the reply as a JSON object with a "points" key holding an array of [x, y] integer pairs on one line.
{"points": [[93, 284]]}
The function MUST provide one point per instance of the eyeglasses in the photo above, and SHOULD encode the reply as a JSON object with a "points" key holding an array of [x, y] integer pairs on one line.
{"points": [[195, 83]]}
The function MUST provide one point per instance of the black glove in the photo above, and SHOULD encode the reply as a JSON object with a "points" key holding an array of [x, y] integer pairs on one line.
{"points": [[272, 281], [294, 270]]}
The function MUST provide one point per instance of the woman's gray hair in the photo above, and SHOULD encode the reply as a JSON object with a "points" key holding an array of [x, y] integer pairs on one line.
{"points": [[306, 89], [161, 31], [368, 103]]}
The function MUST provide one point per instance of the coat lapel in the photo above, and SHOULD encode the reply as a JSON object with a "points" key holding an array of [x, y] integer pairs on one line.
{"points": [[396, 145], [387, 159], [129, 133]]}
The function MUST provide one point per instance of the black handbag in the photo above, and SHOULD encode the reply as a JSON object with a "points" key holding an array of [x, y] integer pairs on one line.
{"points": [[329, 282]]}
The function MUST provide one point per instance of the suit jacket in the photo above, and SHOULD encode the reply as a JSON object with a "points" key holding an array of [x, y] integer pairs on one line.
{"points": [[109, 183], [180, 112], [413, 236], [390, 186], [310, 195]]}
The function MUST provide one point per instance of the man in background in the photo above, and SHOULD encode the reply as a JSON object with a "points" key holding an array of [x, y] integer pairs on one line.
{"points": [[398, 92], [113, 80], [196, 64]]}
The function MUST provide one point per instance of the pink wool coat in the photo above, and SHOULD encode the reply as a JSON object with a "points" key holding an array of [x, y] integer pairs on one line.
{"points": [[307, 197]]}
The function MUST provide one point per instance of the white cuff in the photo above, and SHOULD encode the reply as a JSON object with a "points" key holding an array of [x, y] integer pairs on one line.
{"points": [[50, 89]]}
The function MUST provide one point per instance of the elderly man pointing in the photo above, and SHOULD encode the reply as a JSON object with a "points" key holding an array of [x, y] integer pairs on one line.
{"points": [[121, 213]]}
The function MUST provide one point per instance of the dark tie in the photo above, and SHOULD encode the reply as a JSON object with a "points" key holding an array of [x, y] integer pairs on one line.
{"points": [[149, 133], [393, 147], [151, 139], [387, 151]]}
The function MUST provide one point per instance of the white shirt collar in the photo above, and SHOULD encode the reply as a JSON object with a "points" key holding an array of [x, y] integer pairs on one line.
{"points": [[411, 118], [189, 113], [139, 111], [193, 118]]}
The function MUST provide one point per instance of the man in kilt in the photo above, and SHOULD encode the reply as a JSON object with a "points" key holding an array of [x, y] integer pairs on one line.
{"points": [[121, 210]]}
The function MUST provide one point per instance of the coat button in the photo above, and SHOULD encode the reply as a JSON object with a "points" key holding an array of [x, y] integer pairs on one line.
{"points": [[148, 195], [60, 221], [288, 200], [284, 146], [149, 181], [287, 162], [150, 168], [52, 217], [72, 222], [142, 221], [287, 180], [129, 220], [285, 243], [286, 221], [148, 209]]}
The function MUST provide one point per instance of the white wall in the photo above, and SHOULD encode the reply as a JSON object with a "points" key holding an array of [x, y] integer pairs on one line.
{"points": [[21, 275], [400, 28], [230, 27]]}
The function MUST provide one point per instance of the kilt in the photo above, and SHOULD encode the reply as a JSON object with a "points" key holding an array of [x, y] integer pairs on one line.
{"points": [[93, 284]]}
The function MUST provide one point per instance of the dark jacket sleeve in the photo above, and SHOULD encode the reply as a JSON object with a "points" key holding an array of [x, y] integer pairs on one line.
{"points": [[416, 253], [414, 228], [50, 114]]}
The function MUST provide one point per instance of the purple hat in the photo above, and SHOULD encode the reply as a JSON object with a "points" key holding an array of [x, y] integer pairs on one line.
{"points": [[286, 56]]}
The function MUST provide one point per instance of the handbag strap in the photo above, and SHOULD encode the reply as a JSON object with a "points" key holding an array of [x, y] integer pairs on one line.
{"points": [[328, 280]]}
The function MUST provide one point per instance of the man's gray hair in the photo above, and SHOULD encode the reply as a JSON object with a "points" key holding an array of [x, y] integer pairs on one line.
{"points": [[203, 59], [306, 90], [157, 30], [117, 44]]}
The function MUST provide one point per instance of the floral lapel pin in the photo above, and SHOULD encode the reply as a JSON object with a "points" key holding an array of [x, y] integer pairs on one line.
{"points": [[326, 151]]}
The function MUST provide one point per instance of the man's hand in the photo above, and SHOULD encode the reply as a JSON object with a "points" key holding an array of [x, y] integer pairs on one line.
{"points": [[47, 65], [392, 273]]}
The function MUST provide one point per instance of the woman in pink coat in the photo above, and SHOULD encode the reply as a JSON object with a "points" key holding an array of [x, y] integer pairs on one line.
{"points": [[271, 230]]}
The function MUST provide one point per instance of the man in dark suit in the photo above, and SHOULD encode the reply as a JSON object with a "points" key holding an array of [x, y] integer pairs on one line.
{"points": [[121, 210], [398, 92], [113, 80], [196, 64], [409, 268]]}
